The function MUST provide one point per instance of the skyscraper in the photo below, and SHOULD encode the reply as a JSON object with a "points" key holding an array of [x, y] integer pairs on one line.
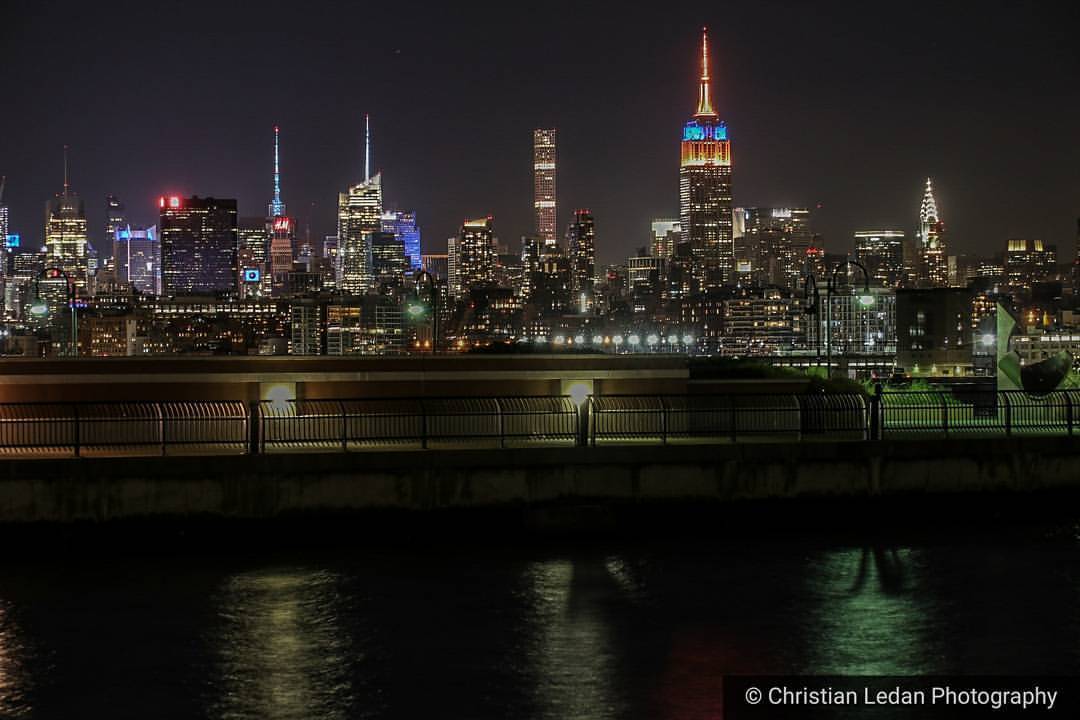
{"points": [[581, 250], [138, 258], [544, 185], [665, 233], [403, 226], [933, 269], [65, 233], [115, 219], [705, 210], [198, 246], [881, 252], [473, 259], [360, 210], [282, 229]]}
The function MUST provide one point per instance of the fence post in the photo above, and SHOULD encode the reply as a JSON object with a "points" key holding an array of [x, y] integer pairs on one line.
{"points": [[1008, 414], [1069, 412], [502, 424], [944, 413], [734, 419], [75, 408], [875, 412], [663, 421], [255, 428], [595, 419], [344, 428], [161, 424], [423, 426], [583, 423]]}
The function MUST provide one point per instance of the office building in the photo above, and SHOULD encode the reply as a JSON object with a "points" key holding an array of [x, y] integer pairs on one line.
{"points": [[403, 226], [705, 202], [665, 235], [66, 242], [934, 331], [360, 210], [933, 268], [881, 252], [115, 219], [137, 258], [544, 185], [1027, 263], [198, 246], [253, 252]]}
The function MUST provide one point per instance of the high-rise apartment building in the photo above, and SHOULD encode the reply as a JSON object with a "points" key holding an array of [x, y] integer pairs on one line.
{"points": [[253, 253], [198, 246], [881, 252], [544, 185], [705, 203], [581, 252], [472, 256]]}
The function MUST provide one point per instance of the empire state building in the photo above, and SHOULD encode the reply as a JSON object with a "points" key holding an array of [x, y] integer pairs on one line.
{"points": [[705, 188]]}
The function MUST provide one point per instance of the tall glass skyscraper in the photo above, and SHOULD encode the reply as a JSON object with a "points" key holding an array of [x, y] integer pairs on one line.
{"points": [[65, 233], [403, 226], [472, 256], [705, 207], [198, 246], [544, 185], [115, 219], [360, 211], [138, 258]]}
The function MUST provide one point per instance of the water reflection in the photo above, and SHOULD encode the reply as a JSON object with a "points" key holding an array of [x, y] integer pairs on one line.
{"points": [[281, 648], [14, 685], [571, 643], [871, 613]]}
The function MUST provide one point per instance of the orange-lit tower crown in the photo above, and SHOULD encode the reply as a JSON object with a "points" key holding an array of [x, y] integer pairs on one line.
{"points": [[705, 187]]}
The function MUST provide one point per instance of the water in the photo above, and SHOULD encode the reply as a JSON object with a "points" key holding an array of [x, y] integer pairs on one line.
{"points": [[573, 630]]}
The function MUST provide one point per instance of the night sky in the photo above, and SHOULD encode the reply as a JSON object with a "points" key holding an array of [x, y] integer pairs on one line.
{"points": [[845, 106]]}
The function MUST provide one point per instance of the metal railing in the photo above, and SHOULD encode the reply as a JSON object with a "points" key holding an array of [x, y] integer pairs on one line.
{"points": [[975, 413], [123, 428], [414, 423], [726, 418], [355, 425]]}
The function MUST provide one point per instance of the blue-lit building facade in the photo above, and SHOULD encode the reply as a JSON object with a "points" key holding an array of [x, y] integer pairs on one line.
{"points": [[403, 226], [137, 254]]}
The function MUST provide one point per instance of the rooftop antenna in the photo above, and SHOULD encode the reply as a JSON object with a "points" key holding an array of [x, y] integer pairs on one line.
{"points": [[277, 208], [3, 182], [367, 147], [66, 186]]}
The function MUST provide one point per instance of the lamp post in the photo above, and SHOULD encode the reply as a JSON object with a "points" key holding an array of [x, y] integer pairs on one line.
{"points": [[416, 309], [865, 300], [40, 308], [810, 291]]}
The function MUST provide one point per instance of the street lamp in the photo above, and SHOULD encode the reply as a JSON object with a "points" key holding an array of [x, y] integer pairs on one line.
{"points": [[865, 299], [40, 308], [416, 307]]}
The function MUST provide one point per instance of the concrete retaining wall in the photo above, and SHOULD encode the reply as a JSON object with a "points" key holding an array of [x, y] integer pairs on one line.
{"points": [[268, 486]]}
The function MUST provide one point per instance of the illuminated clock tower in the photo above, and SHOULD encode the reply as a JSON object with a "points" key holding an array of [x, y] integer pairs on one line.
{"points": [[705, 207]]}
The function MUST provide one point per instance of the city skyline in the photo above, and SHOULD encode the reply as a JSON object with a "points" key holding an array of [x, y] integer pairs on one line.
{"points": [[780, 157]]}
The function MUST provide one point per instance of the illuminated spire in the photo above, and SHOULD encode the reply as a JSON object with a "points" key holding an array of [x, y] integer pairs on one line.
{"points": [[704, 108], [367, 147], [67, 187], [928, 213], [277, 208]]}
